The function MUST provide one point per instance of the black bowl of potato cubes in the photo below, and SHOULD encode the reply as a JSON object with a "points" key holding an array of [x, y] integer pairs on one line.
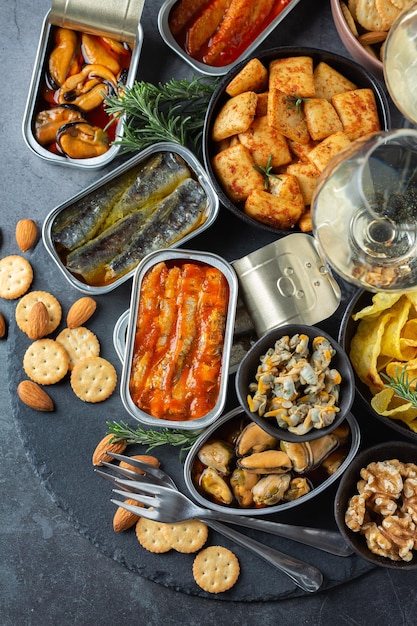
{"points": [[273, 124]]}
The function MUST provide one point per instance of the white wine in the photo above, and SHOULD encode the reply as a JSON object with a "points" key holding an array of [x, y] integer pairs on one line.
{"points": [[400, 63], [365, 212]]}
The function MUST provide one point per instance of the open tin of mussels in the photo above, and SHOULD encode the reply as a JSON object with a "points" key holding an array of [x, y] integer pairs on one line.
{"points": [[87, 50], [159, 198]]}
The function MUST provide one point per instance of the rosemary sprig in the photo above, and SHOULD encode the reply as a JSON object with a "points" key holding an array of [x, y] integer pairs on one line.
{"points": [[266, 172], [296, 102], [173, 112], [152, 438], [402, 384]]}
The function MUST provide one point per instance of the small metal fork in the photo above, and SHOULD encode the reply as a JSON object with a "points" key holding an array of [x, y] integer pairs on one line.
{"points": [[326, 540]]}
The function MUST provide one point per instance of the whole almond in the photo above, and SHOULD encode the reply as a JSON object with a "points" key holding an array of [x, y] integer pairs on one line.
{"points": [[26, 234], [34, 396], [124, 519], [145, 458], [2, 326], [81, 311], [103, 446], [372, 37], [38, 321]]}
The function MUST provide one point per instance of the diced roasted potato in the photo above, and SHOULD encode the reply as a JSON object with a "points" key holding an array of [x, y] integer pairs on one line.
{"points": [[293, 76], [263, 141], [236, 172], [321, 154], [358, 111], [282, 208], [235, 116], [322, 118], [328, 81], [305, 223], [262, 104], [301, 150], [306, 175], [252, 77], [287, 118]]}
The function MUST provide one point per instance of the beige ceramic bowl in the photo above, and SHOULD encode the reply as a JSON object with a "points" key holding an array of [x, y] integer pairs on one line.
{"points": [[357, 50]]}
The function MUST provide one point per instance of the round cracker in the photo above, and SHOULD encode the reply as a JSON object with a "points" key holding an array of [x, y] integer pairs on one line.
{"points": [[187, 536], [388, 11], [24, 307], [350, 21], [216, 569], [46, 361], [93, 379], [16, 275], [79, 342], [369, 17], [151, 535]]}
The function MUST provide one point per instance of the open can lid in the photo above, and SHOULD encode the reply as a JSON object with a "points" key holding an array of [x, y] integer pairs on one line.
{"points": [[118, 20]]}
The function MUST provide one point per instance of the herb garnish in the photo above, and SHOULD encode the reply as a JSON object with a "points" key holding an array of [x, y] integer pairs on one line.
{"points": [[296, 102], [266, 172], [401, 384], [152, 438], [172, 111]]}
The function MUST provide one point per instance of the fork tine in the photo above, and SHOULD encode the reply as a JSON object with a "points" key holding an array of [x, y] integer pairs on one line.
{"points": [[148, 500], [121, 470], [155, 472], [137, 510], [114, 480], [143, 487]]}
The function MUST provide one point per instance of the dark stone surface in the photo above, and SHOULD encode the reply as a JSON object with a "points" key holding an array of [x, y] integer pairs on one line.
{"points": [[53, 567]]}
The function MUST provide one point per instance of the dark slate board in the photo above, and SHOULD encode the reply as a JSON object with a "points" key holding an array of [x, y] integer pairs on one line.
{"points": [[60, 445]]}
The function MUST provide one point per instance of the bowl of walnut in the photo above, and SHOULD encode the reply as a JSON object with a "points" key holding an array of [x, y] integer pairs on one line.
{"points": [[273, 124], [376, 505]]}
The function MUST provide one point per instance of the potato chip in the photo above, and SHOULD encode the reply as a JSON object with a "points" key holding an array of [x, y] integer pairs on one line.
{"points": [[385, 403], [380, 302], [409, 332], [409, 370], [365, 348], [390, 343]]}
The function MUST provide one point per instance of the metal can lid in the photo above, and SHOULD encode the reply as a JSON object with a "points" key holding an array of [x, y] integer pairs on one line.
{"points": [[118, 20]]}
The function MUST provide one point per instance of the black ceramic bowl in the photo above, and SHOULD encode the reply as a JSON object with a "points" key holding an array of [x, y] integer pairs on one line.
{"points": [[249, 365], [346, 332], [350, 69], [403, 451]]}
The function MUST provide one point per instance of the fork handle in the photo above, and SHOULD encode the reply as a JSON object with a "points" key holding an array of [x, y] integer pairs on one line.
{"points": [[304, 575], [326, 540]]}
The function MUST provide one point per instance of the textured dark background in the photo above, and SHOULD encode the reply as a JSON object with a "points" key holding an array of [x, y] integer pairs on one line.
{"points": [[60, 563]]}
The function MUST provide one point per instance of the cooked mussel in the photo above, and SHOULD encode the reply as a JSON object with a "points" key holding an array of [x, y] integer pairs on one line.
{"points": [[242, 483], [217, 454], [266, 462], [307, 455], [64, 59], [213, 484], [271, 489], [81, 140], [89, 87], [254, 439], [298, 487], [97, 51], [48, 122]]}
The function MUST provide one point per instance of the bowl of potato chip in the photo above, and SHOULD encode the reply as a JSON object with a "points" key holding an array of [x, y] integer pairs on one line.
{"points": [[363, 25], [296, 383], [376, 505], [379, 333], [273, 124]]}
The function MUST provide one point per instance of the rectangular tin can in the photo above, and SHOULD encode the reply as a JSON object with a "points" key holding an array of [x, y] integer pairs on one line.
{"points": [[34, 99], [178, 256], [169, 39], [287, 282], [197, 171]]}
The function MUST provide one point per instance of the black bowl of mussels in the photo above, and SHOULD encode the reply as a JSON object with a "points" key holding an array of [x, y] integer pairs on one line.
{"points": [[296, 382], [237, 467]]}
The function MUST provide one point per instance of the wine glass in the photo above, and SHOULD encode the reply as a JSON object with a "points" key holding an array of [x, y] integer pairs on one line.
{"points": [[400, 63], [364, 212]]}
